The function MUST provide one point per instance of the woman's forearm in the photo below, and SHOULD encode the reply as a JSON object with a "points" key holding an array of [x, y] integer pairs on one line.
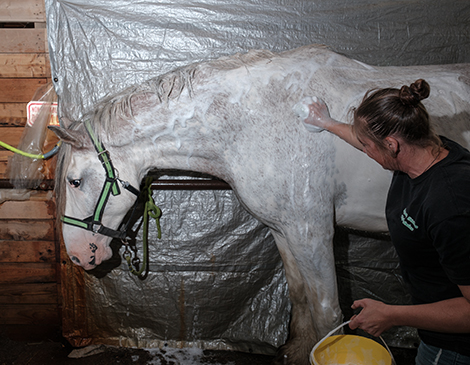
{"points": [[451, 316], [345, 132], [319, 116]]}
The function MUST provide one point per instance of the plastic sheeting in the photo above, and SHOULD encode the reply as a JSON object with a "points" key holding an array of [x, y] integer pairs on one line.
{"points": [[99, 47], [216, 280], [26, 172]]}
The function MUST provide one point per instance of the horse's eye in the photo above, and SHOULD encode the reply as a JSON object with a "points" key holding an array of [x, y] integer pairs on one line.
{"points": [[75, 182]]}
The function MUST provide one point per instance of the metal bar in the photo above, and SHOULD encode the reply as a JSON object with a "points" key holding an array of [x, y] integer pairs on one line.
{"points": [[156, 185], [190, 185]]}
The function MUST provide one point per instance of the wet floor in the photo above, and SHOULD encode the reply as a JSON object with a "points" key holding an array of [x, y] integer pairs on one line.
{"points": [[59, 352]]}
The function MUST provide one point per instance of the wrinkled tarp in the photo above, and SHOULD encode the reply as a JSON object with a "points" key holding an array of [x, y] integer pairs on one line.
{"points": [[99, 47], [216, 281]]}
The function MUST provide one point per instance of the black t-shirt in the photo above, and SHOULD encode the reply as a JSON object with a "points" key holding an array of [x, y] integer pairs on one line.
{"points": [[429, 222]]}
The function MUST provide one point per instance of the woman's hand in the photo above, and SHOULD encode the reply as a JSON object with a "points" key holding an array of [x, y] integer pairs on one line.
{"points": [[374, 318], [319, 115], [318, 118]]}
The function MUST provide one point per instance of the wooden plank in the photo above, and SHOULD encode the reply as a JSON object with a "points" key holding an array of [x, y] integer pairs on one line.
{"points": [[27, 251], [35, 314], [12, 122], [27, 230], [41, 195], [28, 40], [13, 110], [32, 333], [24, 65], [22, 273], [3, 170], [47, 172], [34, 195], [74, 303], [22, 11], [27, 210], [43, 293], [11, 135], [19, 90], [4, 155]]}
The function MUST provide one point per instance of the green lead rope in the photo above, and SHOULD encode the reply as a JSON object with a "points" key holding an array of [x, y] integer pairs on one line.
{"points": [[152, 210]]}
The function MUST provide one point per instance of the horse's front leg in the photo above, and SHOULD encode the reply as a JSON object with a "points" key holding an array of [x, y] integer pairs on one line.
{"points": [[311, 278]]}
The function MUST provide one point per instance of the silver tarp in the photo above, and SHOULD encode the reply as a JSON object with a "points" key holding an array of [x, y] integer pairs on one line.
{"points": [[216, 279]]}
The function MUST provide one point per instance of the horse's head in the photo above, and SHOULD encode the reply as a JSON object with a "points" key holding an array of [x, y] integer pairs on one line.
{"points": [[91, 199]]}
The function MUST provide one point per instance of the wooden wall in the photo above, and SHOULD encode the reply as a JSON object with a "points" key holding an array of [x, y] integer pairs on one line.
{"points": [[24, 65], [29, 253]]}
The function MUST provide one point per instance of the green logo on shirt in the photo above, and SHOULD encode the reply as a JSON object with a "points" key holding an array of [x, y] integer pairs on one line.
{"points": [[407, 221]]}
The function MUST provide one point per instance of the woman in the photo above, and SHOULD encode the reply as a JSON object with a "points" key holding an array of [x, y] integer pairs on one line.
{"points": [[428, 215]]}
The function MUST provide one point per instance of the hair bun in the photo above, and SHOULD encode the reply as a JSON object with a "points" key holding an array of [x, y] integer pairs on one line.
{"points": [[413, 94]]}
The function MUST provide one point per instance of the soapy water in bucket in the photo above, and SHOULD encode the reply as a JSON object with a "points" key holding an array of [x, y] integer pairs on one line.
{"points": [[350, 350]]}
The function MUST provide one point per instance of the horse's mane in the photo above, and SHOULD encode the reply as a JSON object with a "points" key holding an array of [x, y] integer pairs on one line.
{"points": [[165, 87]]}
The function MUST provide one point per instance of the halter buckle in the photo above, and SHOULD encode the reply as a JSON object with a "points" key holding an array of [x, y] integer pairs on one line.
{"points": [[96, 227]]}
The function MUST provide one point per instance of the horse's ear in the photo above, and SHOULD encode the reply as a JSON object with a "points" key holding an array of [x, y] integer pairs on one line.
{"points": [[75, 138]]}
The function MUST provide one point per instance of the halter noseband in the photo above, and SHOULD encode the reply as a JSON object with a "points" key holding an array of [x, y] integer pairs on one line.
{"points": [[93, 222]]}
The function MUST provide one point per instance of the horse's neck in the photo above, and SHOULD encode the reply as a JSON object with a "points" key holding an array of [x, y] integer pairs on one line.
{"points": [[181, 135]]}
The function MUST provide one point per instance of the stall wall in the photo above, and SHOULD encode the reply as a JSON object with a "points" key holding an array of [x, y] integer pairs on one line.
{"points": [[29, 303]]}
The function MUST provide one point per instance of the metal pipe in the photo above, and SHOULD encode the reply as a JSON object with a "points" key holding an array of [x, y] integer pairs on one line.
{"points": [[156, 185], [190, 185]]}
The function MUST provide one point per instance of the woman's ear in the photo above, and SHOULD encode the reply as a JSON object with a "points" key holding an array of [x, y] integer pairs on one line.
{"points": [[392, 145]]}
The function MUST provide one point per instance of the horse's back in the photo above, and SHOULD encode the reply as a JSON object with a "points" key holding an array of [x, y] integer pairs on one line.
{"points": [[260, 89]]}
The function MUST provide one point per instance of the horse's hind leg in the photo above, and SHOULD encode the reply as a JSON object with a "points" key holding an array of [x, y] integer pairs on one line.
{"points": [[310, 319]]}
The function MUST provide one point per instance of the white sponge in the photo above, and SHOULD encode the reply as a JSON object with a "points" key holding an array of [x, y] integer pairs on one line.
{"points": [[302, 111]]}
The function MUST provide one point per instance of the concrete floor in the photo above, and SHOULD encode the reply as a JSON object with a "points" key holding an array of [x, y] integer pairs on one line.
{"points": [[57, 352]]}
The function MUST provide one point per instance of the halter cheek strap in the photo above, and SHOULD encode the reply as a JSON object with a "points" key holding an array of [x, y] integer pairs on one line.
{"points": [[110, 186]]}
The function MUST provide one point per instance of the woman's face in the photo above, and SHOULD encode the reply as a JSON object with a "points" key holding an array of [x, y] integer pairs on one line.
{"points": [[382, 156]]}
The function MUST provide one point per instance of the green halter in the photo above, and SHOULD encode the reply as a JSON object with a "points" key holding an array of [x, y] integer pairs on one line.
{"points": [[93, 223]]}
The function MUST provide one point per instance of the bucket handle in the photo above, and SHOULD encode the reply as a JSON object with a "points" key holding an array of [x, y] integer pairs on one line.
{"points": [[337, 328]]}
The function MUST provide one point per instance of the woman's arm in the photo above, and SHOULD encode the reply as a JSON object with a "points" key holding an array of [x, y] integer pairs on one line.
{"points": [[450, 316], [320, 116]]}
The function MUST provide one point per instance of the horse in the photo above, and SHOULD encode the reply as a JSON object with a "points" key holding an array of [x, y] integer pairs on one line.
{"points": [[234, 118]]}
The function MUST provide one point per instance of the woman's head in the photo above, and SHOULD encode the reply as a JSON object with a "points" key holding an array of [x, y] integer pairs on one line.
{"points": [[396, 112]]}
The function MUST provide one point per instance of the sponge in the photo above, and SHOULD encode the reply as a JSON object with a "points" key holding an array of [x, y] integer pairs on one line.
{"points": [[302, 111]]}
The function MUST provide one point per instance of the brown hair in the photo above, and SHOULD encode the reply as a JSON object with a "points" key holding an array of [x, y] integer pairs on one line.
{"points": [[389, 111]]}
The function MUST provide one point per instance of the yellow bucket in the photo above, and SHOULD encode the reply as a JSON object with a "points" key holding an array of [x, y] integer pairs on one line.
{"points": [[350, 350]]}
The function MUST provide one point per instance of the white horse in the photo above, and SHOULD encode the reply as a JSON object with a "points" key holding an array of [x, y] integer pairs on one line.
{"points": [[233, 118]]}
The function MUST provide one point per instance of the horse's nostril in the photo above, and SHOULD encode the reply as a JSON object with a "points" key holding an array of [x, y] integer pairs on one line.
{"points": [[75, 259]]}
